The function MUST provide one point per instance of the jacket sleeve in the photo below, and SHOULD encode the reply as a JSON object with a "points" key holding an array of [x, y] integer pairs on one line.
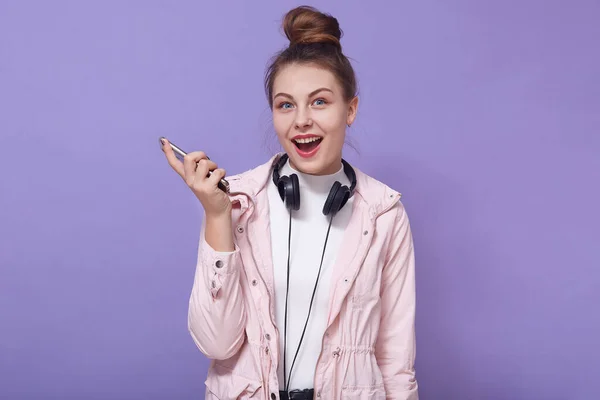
{"points": [[395, 347], [217, 314]]}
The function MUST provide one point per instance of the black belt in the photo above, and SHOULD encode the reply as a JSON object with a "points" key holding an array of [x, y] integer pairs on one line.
{"points": [[296, 394]]}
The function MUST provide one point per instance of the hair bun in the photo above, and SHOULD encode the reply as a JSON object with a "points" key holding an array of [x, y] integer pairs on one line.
{"points": [[305, 24]]}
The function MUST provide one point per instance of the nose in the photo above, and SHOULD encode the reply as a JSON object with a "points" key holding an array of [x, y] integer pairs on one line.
{"points": [[302, 120]]}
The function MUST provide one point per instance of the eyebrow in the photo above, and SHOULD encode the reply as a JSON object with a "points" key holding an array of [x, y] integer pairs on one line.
{"points": [[311, 94]]}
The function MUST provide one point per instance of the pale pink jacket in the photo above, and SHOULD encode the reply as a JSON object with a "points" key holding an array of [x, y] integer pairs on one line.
{"points": [[368, 349]]}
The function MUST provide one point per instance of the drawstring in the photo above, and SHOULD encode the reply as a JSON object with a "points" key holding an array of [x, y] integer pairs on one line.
{"points": [[336, 355]]}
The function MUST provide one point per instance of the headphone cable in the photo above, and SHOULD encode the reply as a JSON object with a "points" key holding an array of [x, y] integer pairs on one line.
{"points": [[309, 307]]}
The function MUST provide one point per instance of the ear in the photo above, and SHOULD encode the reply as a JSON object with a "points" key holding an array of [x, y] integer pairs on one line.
{"points": [[352, 111]]}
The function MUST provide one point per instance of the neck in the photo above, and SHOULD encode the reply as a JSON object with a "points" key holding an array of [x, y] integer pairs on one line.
{"points": [[328, 170]]}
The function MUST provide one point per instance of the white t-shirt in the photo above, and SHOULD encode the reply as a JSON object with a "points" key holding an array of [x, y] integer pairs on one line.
{"points": [[309, 229]]}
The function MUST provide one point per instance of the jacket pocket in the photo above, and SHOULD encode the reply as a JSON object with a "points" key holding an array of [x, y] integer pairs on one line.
{"points": [[225, 384], [376, 392]]}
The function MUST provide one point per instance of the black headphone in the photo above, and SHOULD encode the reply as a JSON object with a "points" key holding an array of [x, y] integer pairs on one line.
{"points": [[289, 189]]}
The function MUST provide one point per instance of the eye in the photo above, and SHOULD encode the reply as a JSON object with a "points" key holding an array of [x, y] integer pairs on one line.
{"points": [[285, 105], [320, 102]]}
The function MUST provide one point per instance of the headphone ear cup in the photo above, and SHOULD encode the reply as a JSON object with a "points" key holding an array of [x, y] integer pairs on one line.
{"points": [[282, 186], [341, 197], [289, 191], [328, 208], [295, 192], [344, 196]]}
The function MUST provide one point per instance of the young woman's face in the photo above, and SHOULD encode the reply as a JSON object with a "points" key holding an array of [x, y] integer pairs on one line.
{"points": [[308, 102]]}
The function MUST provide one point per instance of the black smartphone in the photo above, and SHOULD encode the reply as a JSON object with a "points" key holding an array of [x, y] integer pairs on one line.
{"points": [[223, 184]]}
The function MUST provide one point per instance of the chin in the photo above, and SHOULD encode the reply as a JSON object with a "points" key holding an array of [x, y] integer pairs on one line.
{"points": [[310, 168]]}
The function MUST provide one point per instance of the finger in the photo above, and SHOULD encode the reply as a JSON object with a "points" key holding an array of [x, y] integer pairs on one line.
{"points": [[172, 158], [216, 176], [190, 162], [202, 169], [197, 155]]}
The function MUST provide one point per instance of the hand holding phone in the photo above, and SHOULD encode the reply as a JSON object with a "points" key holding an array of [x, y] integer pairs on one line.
{"points": [[223, 184], [202, 175]]}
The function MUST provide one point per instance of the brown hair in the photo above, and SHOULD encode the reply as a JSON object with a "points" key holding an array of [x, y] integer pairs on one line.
{"points": [[314, 39]]}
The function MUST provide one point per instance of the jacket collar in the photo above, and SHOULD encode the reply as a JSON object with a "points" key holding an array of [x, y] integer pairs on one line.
{"points": [[375, 195]]}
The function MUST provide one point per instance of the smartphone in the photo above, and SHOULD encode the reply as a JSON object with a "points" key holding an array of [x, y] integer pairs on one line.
{"points": [[223, 184]]}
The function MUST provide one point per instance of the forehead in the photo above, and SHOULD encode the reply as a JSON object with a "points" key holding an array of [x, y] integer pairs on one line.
{"points": [[299, 80]]}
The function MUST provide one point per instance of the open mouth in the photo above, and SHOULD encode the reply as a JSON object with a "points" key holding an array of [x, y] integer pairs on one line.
{"points": [[307, 145]]}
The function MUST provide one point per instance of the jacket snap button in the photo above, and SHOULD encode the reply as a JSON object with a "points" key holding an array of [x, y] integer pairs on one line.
{"points": [[267, 350], [240, 229], [267, 336], [365, 232], [219, 264], [254, 282], [273, 396], [318, 394]]}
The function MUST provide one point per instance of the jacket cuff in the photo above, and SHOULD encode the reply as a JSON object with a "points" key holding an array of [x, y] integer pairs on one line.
{"points": [[219, 266]]}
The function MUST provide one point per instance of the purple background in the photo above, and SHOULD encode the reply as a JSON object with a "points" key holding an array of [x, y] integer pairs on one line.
{"points": [[485, 116]]}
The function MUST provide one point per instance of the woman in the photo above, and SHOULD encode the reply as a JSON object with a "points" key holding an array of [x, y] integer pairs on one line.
{"points": [[344, 329]]}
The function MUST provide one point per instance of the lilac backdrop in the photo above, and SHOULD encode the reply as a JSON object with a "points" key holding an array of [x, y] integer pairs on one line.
{"points": [[486, 117]]}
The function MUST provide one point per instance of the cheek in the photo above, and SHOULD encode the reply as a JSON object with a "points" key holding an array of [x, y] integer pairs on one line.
{"points": [[332, 121], [281, 123]]}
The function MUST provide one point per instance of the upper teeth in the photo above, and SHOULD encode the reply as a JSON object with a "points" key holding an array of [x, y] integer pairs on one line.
{"points": [[307, 140]]}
